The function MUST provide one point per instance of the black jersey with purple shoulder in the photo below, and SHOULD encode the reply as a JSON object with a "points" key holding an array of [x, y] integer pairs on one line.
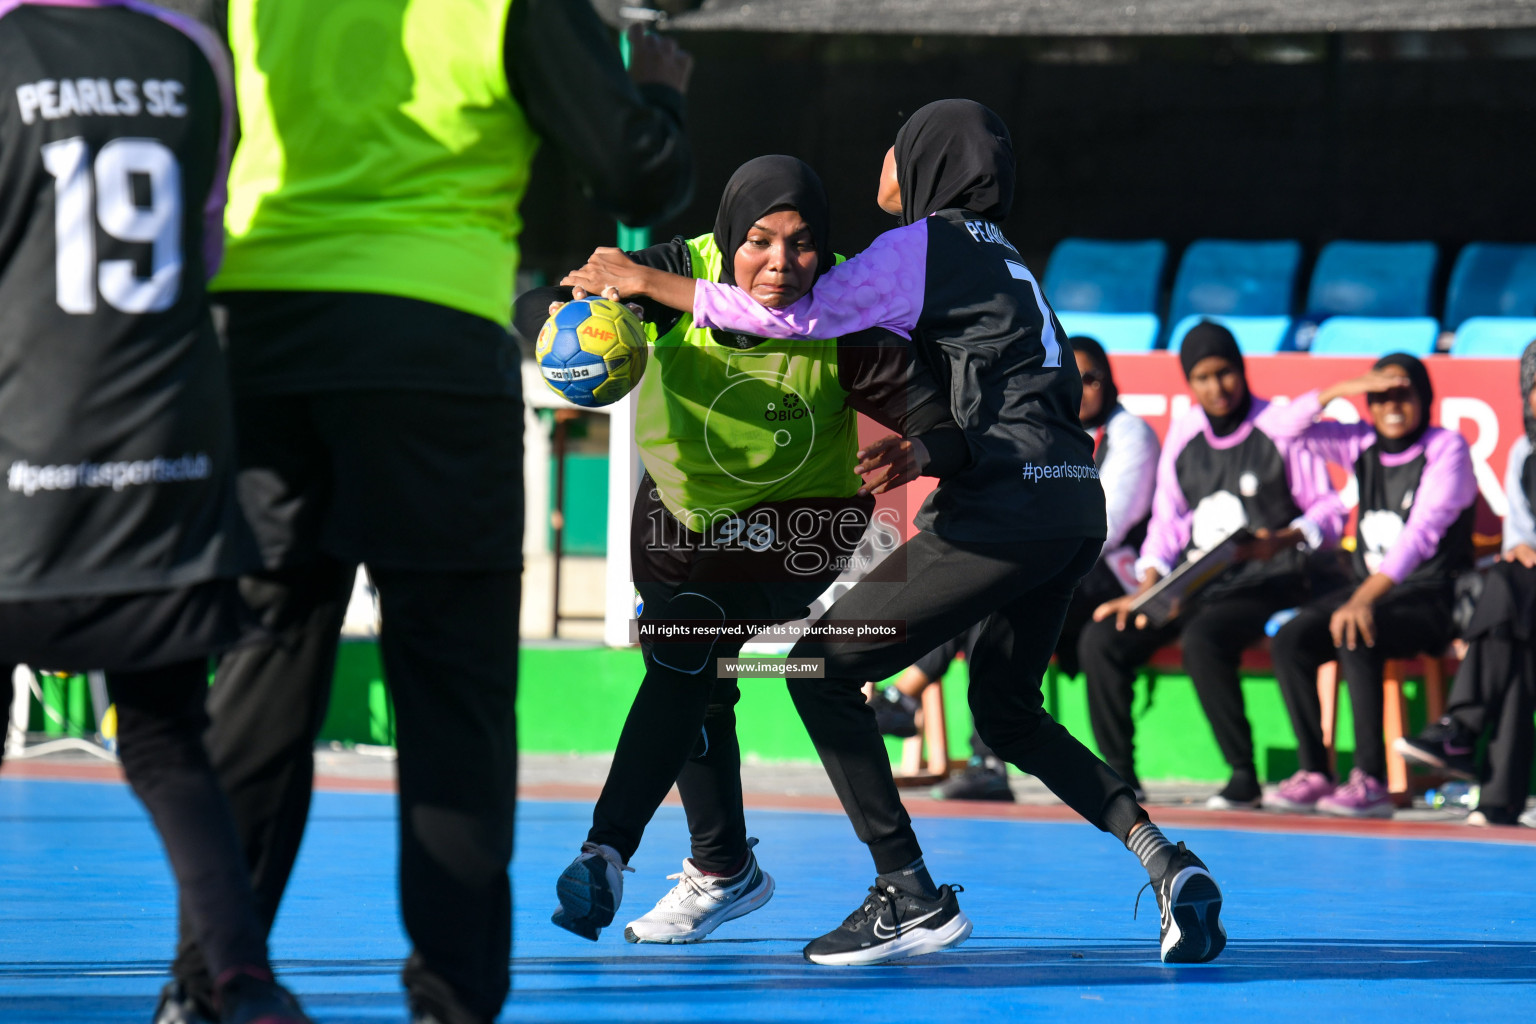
{"points": [[115, 433], [1255, 476], [955, 283]]}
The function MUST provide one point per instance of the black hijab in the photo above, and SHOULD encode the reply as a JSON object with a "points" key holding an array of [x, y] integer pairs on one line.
{"points": [[1109, 394], [954, 154], [1207, 339], [759, 187], [1418, 379], [1527, 383]]}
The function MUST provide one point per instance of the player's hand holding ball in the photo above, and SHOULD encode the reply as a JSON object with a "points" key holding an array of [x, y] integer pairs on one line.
{"points": [[591, 351]]}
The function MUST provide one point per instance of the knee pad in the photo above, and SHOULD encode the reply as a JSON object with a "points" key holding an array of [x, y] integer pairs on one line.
{"points": [[690, 657]]}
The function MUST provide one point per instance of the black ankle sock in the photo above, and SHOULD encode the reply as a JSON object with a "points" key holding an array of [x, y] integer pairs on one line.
{"points": [[913, 878], [1152, 848]]}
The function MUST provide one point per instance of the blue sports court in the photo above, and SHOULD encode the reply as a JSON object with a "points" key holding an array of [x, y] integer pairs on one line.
{"points": [[1357, 928]]}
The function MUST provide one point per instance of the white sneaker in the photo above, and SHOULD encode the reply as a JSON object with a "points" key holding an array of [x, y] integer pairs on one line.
{"points": [[700, 903], [1528, 819]]}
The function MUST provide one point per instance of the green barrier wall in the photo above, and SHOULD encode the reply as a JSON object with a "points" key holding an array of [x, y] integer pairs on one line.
{"points": [[574, 699]]}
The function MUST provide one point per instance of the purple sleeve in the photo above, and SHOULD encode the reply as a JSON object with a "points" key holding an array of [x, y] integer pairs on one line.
{"points": [[218, 60], [1168, 529], [1446, 487], [1338, 443], [880, 287]]}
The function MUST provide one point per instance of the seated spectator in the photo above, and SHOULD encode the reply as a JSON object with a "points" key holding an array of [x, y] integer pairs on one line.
{"points": [[1125, 452], [986, 775], [1220, 470], [1495, 689], [1412, 538]]}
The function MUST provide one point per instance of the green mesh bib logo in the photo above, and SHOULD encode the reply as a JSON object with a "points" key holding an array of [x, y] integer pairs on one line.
{"points": [[759, 430]]}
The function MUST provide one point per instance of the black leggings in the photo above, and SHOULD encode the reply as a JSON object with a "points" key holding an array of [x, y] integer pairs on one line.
{"points": [[449, 649], [682, 725], [937, 589], [160, 723], [1213, 637], [1407, 622]]}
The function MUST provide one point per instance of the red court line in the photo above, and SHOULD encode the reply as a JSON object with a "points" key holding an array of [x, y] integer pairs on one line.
{"points": [[1242, 821], [94, 771]]}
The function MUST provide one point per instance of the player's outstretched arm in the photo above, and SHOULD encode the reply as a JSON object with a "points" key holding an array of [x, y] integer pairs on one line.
{"points": [[612, 274]]}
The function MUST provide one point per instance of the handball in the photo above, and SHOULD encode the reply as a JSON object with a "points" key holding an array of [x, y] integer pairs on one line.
{"points": [[591, 352]]}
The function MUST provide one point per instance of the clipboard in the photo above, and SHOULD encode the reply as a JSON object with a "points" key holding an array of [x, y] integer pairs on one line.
{"points": [[1174, 592]]}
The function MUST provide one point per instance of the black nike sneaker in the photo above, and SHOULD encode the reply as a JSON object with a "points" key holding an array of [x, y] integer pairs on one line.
{"points": [[1444, 745], [890, 924], [1190, 901]]}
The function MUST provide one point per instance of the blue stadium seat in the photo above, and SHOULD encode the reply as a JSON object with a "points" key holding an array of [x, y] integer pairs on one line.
{"points": [[1218, 277], [1376, 336], [1372, 279], [1491, 279], [1089, 276], [1493, 337], [1256, 335], [1117, 332]]}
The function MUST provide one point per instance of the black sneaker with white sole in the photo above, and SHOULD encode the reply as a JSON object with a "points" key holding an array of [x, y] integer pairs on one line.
{"points": [[892, 923], [1190, 902], [590, 890], [1444, 745]]}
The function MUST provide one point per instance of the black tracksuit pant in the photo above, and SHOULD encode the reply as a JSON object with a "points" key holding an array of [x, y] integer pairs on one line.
{"points": [[160, 723], [937, 589], [1495, 688], [426, 490], [1213, 636], [1408, 621], [449, 650], [682, 725]]}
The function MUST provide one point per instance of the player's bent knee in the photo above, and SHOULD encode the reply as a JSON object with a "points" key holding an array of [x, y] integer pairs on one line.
{"points": [[1013, 730], [698, 611]]}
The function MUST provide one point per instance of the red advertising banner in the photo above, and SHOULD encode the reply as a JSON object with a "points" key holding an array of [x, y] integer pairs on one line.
{"points": [[1478, 397]]}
